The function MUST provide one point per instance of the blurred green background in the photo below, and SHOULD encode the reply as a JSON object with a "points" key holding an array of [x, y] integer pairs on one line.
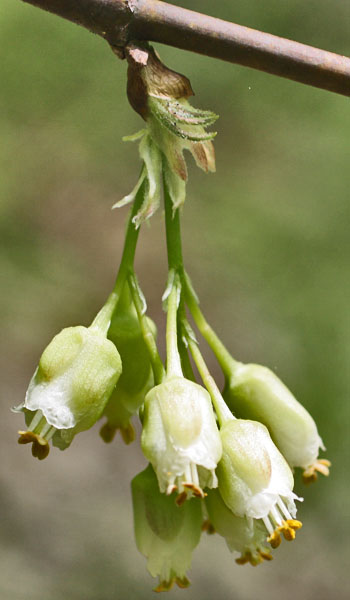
{"points": [[266, 240]]}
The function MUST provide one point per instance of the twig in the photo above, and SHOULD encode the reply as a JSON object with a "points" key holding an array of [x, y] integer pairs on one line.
{"points": [[119, 21]]}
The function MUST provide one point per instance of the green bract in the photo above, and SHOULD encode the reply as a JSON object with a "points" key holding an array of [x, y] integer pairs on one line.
{"points": [[160, 95], [136, 378], [255, 392], [180, 436], [165, 533], [248, 537], [69, 390]]}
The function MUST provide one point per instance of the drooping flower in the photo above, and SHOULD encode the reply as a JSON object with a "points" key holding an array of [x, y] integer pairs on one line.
{"points": [[255, 481], [255, 392], [137, 377], [165, 533], [180, 437], [69, 390], [243, 535]]}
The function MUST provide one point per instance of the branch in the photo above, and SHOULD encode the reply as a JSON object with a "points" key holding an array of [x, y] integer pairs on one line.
{"points": [[119, 21]]}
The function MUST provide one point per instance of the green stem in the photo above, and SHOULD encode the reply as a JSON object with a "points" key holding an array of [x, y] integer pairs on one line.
{"points": [[223, 412], [156, 363], [103, 317], [173, 363], [175, 266], [226, 361], [173, 234], [182, 345]]}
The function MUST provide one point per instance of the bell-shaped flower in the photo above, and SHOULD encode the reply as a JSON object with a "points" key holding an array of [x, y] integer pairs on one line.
{"points": [[246, 536], [165, 533], [255, 481], [255, 392], [180, 437], [69, 390], [137, 377]]}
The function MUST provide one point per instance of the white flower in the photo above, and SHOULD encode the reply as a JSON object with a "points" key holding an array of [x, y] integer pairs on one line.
{"points": [[69, 390], [255, 392], [255, 481], [180, 437]]}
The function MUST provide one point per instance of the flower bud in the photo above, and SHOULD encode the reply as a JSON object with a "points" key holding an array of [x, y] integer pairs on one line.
{"points": [[255, 481], [165, 533], [248, 537], [255, 392], [180, 437], [136, 379], [68, 392]]}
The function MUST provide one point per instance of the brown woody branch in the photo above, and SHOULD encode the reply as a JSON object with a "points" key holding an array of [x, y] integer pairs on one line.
{"points": [[120, 21]]}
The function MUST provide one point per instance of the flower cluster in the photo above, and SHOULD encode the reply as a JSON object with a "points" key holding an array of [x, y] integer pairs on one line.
{"points": [[217, 462]]}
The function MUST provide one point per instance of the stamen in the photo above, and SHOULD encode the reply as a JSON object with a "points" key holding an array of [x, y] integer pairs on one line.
{"points": [[276, 515], [319, 466], [254, 557], [182, 583], [283, 508], [128, 434], [242, 560], [165, 586], [274, 539], [265, 555], [194, 473], [181, 498], [40, 447], [289, 528], [180, 485], [268, 525], [197, 491], [50, 433], [188, 475], [208, 527], [44, 430], [107, 433], [38, 415], [171, 488]]}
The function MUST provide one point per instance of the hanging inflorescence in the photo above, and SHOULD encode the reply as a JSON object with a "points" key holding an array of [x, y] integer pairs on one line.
{"points": [[218, 462]]}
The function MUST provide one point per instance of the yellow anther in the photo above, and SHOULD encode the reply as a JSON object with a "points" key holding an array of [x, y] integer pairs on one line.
{"points": [[320, 466], [242, 560], [128, 434], [288, 532], [40, 446], [254, 558], [165, 586], [274, 539], [197, 491], [294, 524], [265, 555], [107, 433], [181, 498], [208, 527], [182, 582], [289, 528]]}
